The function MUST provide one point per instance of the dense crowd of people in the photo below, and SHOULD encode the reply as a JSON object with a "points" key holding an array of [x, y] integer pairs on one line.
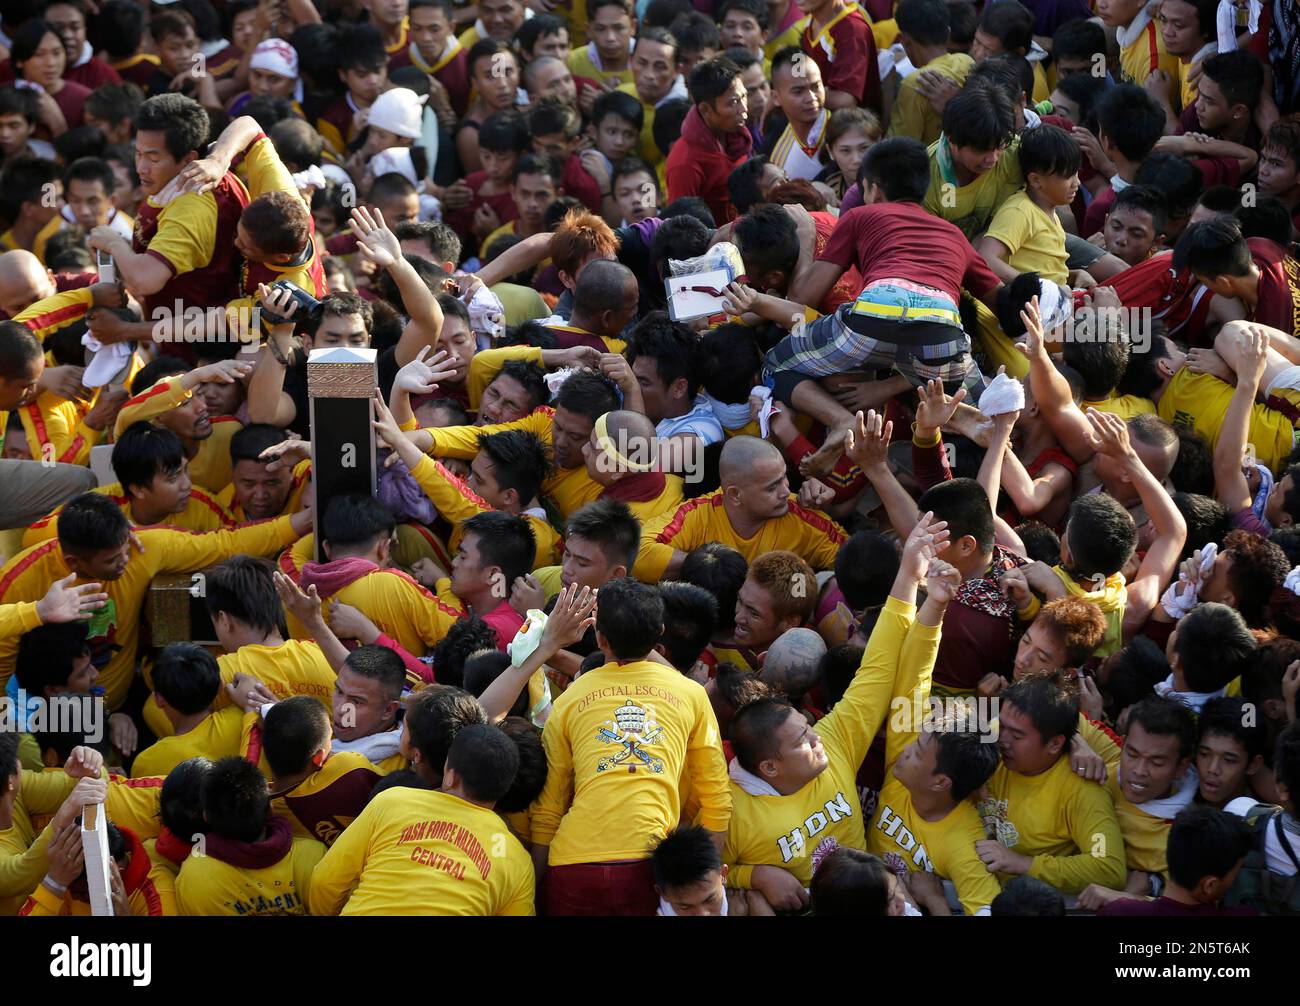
{"points": [[941, 557]]}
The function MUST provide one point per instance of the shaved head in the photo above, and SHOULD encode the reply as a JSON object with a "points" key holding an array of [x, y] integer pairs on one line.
{"points": [[23, 281], [793, 662], [740, 456], [629, 425]]}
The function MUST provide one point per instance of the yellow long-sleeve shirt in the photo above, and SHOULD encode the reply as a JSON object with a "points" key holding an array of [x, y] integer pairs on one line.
{"points": [[912, 114], [401, 607], [1064, 822], [1145, 835], [456, 503], [617, 742], [207, 885], [295, 667], [54, 313], [568, 488], [773, 830], [150, 888], [218, 736], [808, 533], [15, 619], [56, 430], [202, 513], [417, 852], [211, 466], [27, 576], [292, 504]]}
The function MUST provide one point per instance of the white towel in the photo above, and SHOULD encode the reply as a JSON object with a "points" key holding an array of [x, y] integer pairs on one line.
{"points": [[749, 782], [1004, 394], [1225, 22], [107, 363], [486, 314], [1292, 581]]}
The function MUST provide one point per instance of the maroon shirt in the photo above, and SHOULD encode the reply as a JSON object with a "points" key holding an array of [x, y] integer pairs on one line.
{"points": [[462, 220], [1279, 286], [1168, 908]]}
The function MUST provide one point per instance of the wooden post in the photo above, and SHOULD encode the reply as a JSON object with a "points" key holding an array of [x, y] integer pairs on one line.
{"points": [[341, 382]]}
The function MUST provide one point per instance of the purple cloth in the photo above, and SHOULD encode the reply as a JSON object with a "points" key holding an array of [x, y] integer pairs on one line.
{"points": [[852, 198], [399, 491]]}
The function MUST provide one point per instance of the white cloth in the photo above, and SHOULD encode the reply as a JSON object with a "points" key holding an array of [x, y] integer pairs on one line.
{"points": [[486, 313], [1292, 581], [1004, 394], [310, 180], [731, 415], [1275, 856], [1225, 22], [400, 111], [87, 54], [376, 747], [667, 909], [894, 58], [107, 363], [1184, 595], [1127, 36], [1181, 797], [1193, 700], [749, 782], [394, 159], [1055, 304], [556, 378], [1286, 380]]}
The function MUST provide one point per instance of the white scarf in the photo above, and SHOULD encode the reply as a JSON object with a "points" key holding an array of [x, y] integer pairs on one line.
{"points": [[87, 53], [1167, 807], [1225, 22], [678, 90], [1127, 36], [667, 909], [375, 747], [1193, 700], [749, 782]]}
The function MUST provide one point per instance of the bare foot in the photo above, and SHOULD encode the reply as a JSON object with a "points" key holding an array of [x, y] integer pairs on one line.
{"points": [[969, 422]]}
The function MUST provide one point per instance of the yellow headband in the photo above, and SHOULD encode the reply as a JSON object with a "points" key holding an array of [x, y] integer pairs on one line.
{"points": [[607, 445]]}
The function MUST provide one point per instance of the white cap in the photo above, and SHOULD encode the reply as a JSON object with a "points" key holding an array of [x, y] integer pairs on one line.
{"points": [[275, 55], [400, 111]]}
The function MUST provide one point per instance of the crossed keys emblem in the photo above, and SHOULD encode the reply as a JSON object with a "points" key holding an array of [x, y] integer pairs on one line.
{"points": [[632, 729]]}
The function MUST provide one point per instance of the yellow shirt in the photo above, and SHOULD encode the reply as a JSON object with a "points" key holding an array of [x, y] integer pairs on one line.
{"points": [[808, 533], [202, 513], [15, 619], [972, 206], [582, 63], [912, 114], [1124, 406], [56, 430], [648, 149], [618, 742], [1144, 55], [207, 885], [211, 466], [292, 504], [1064, 822], [784, 831], [897, 833], [1199, 402], [27, 576], [218, 736], [328, 800], [155, 897], [417, 852], [295, 667], [1034, 238]]}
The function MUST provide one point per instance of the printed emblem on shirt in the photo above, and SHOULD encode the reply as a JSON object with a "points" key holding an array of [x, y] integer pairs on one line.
{"points": [[996, 823], [795, 844], [101, 634], [892, 825], [632, 729]]}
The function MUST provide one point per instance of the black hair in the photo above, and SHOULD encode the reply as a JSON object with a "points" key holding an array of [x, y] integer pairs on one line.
{"points": [[292, 732], [1008, 71], [118, 28], [671, 345], [379, 664], [505, 541], [1232, 716], [1239, 74], [1084, 90], [1206, 842], [1258, 567], [356, 520], [466, 637], [486, 761], [537, 164], [754, 727], [633, 166], [839, 666], [1177, 178], [1042, 544], [143, 452], [187, 676], [1286, 763], [297, 143], [687, 854], [757, 9], [965, 757], [730, 359], [244, 588], [744, 184], [711, 79], [435, 716], [980, 117], [1135, 671], [1049, 150], [183, 122], [767, 240], [587, 393], [505, 132], [665, 37], [91, 169], [25, 180], [926, 22], [1100, 534], [720, 570], [554, 115], [667, 126], [1012, 24], [1146, 199], [26, 40], [630, 615], [696, 32], [1051, 702], [865, 568], [690, 618], [180, 803], [92, 522], [680, 238], [80, 142], [20, 101], [155, 370], [532, 29], [965, 506], [1131, 119], [850, 882], [1267, 218], [483, 667], [1028, 896], [1100, 362], [236, 800], [46, 655], [620, 103], [964, 18], [361, 47], [1207, 519], [1166, 717], [900, 166], [1214, 645], [662, 13], [530, 776], [610, 524], [520, 461], [689, 206]]}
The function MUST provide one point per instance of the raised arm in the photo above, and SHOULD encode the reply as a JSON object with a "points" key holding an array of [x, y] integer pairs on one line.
{"points": [[1052, 390], [1229, 480], [867, 446]]}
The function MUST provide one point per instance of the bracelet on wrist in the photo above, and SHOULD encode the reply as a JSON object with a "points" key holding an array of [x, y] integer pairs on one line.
{"points": [[54, 885]]}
